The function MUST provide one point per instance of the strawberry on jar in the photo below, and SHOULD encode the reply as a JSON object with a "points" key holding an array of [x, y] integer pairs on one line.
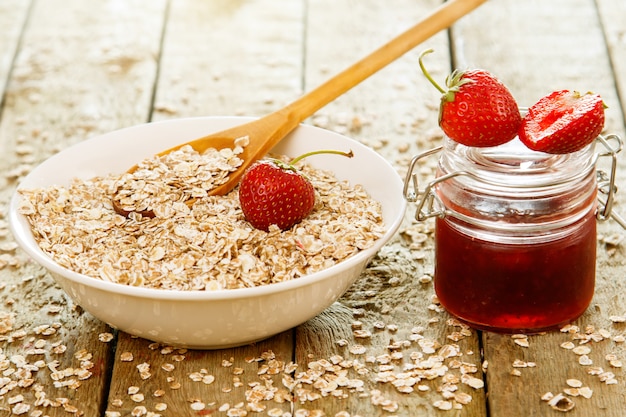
{"points": [[477, 109]]}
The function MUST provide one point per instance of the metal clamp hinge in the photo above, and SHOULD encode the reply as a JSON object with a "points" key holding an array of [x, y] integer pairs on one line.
{"points": [[606, 181], [428, 203]]}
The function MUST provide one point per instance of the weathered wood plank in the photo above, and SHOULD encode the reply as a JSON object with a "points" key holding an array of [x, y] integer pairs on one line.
{"points": [[395, 111], [13, 15], [612, 14], [536, 47], [225, 58], [218, 58], [82, 69]]}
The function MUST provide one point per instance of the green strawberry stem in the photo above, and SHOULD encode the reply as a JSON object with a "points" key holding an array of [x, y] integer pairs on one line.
{"points": [[427, 74], [323, 151], [454, 81]]}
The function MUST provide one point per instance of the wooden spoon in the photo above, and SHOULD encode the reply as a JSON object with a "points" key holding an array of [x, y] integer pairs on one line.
{"points": [[267, 131]]}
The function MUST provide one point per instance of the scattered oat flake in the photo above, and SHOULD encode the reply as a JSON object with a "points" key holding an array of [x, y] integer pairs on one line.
{"points": [[137, 397], [570, 328], [443, 405], [105, 337], [586, 392], [582, 350], [522, 342], [561, 403], [357, 349], [144, 370], [139, 411], [197, 406], [518, 363], [362, 334], [473, 382], [574, 383], [463, 398], [15, 399]]}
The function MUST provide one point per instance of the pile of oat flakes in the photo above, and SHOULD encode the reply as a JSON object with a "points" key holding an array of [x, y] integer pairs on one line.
{"points": [[204, 245]]}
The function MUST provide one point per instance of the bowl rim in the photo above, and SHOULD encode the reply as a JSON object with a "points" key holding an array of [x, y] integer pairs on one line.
{"points": [[23, 235]]}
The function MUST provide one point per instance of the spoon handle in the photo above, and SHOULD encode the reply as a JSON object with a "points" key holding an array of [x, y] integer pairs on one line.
{"points": [[440, 18]]}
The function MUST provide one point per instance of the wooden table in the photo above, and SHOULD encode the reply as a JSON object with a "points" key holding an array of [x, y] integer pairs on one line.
{"points": [[71, 69]]}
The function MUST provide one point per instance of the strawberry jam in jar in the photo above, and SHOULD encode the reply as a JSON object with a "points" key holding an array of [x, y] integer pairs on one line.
{"points": [[515, 233]]}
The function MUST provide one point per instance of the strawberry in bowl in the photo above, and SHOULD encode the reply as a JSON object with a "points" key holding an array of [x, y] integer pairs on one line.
{"points": [[275, 192]]}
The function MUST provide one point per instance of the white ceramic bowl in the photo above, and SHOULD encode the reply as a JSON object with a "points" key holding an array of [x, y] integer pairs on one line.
{"points": [[199, 319]]}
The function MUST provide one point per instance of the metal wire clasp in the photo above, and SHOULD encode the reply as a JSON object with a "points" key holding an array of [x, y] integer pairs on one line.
{"points": [[606, 182], [430, 205]]}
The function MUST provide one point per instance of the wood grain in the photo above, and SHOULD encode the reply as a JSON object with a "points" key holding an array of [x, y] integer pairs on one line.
{"points": [[13, 14], [230, 58]]}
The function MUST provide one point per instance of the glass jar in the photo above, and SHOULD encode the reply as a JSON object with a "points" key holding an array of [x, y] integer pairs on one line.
{"points": [[515, 232]]}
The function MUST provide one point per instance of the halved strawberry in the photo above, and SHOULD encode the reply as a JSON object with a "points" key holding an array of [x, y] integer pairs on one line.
{"points": [[562, 122], [477, 109]]}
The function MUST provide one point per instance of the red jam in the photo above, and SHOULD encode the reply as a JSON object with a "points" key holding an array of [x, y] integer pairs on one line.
{"points": [[515, 287], [515, 237]]}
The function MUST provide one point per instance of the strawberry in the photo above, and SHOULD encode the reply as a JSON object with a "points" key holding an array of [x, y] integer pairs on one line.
{"points": [[477, 109], [275, 192], [562, 122]]}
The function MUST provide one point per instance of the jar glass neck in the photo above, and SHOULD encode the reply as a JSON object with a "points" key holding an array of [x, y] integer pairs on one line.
{"points": [[511, 188], [514, 166]]}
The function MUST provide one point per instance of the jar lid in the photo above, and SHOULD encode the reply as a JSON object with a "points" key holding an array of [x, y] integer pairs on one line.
{"points": [[513, 165], [511, 179]]}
